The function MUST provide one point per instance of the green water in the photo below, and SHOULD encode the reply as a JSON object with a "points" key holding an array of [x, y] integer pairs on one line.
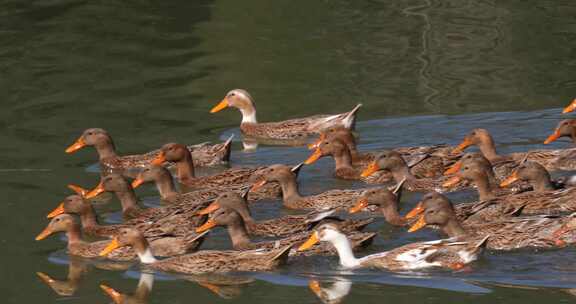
{"points": [[149, 71]]}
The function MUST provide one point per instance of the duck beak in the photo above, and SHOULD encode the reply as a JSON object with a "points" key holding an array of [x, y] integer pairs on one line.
{"points": [[211, 208], [462, 146], [315, 287], [454, 168], [452, 181], [314, 157], [207, 226], [313, 240], [96, 191], [159, 160], [373, 167], [259, 184], [570, 108], [220, 106], [418, 225], [137, 182], [77, 145], [115, 295], [45, 278], [59, 210], [553, 137], [78, 190], [113, 245], [317, 143], [360, 204], [44, 234], [510, 179], [416, 211]]}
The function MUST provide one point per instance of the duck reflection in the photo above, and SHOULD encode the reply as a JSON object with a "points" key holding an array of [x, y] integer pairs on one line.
{"points": [[139, 296], [225, 286], [334, 293], [76, 269]]}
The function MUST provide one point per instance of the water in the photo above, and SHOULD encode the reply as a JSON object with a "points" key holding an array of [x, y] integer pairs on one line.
{"points": [[149, 71]]}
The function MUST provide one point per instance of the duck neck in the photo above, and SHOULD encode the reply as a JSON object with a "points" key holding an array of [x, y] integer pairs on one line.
{"points": [[392, 216], [402, 172], [145, 285], [185, 168], [290, 191], [128, 200], [88, 217], [542, 183], [248, 114], [142, 248], [344, 249], [484, 187], [165, 186], [343, 159], [453, 228], [238, 235], [105, 149], [74, 234], [244, 212], [488, 149]]}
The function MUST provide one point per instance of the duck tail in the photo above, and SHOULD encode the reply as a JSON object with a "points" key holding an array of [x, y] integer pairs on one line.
{"points": [[296, 169], [226, 149], [317, 216], [482, 243], [349, 120], [280, 256]]}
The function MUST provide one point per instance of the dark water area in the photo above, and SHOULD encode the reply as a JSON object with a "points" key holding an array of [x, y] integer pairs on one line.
{"points": [[149, 71]]}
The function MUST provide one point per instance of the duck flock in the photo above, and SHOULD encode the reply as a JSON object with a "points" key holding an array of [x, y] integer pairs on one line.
{"points": [[519, 205]]}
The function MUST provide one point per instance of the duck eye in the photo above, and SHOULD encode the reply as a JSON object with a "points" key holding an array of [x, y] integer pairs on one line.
{"points": [[57, 220], [232, 94]]}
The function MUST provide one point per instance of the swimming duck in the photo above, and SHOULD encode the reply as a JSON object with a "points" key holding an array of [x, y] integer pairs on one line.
{"points": [[498, 170], [452, 254], [203, 154], [280, 226], [227, 217], [505, 234], [205, 261], [565, 128], [570, 108], [291, 196], [293, 129], [385, 200]]}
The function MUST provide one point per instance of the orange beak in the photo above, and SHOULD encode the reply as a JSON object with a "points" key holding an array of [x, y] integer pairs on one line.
{"points": [[510, 180], [113, 294], [59, 210], [259, 184], [314, 157], [373, 167], [418, 225], [220, 106], [113, 245], [44, 234], [452, 181], [570, 108], [553, 137], [79, 190], [159, 160], [45, 278], [360, 204], [462, 146], [207, 226], [317, 143], [315, 287], [415, 212], [77, 145], [96, 191], [313, 240], [211, 208], [137, 182], [454, 168]]}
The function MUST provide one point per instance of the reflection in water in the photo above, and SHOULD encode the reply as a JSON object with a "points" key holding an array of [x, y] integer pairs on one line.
{"points": [[140, 295], [76, 269], [223, 285], [334, 293]]}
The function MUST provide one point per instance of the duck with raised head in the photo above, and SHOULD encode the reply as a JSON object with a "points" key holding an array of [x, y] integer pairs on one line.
{"points": [[385, 201], [550, 159], [570, 108], [205, 261], [505, 234], [78, 247], [280, 226], [185, 174], [451, 254], [204, 154], [229, 218], [344, 166], [289, 130]]}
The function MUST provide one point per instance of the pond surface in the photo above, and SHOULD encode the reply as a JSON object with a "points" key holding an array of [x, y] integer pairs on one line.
{"points": [[149, 71]]}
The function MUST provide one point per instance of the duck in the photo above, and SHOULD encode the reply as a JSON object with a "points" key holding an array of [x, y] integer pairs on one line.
{"points": [[200, 262], [78, 247], [77, 268], [570, 108], [565, 128], [291, 197], [289, 130], [536, 232], [229, 218], [204, 154], [393, 162], [179, 154], [140, 295], [448, 253], [280, 226], [560, 159], [424, 161], [344, 166], [385, 201]]}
